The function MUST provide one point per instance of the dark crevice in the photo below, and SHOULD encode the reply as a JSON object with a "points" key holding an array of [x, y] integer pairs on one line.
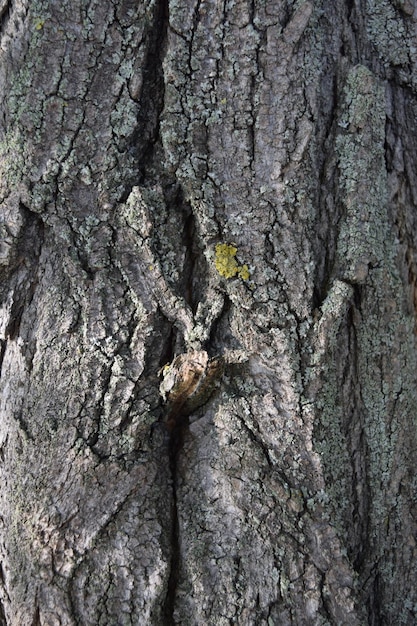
{"points": [[318, 291], [3, 621], [175, 445], [251, 127], [195, 270], [350, 5], [144, 143], [357, 295], [326, 611], [176, 428], [326, 131], [285, 16], [358, 527], [13, 326], [177, 424], [193, 265], [168, 352], [5, 12], [220, 328], [3, 446], [36, 621], [25, 275], [146, 136], [23, 425], [374, 608]]}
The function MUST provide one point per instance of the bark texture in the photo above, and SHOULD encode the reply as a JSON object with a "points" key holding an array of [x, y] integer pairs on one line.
{"points": [[271, 479]]}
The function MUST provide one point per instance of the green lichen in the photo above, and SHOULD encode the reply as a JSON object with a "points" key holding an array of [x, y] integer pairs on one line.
{"points": [[39, 24], [226, 263]]}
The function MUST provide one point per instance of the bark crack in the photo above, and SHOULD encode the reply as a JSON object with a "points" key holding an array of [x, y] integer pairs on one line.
{"points": [[25, 279], [175, 443], [5, 10]]}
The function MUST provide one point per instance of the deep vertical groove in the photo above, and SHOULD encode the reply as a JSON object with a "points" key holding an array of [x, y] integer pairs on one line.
{"points": [[146, 144], [25, 268], [152, 95], [175, 445], [5, 11], [3, 621]]}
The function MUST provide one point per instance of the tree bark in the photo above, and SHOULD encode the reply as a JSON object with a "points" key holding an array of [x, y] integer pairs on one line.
{"points": [[208, 272]]}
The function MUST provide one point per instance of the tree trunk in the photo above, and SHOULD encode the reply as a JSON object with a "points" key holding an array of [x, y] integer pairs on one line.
{"points": [[208, 273]]}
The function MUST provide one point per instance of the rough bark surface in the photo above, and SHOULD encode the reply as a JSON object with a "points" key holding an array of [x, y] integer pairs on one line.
{"points": [[181, 443]]}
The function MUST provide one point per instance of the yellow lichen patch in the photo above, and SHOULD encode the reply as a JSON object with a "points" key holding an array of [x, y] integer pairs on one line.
{"points": [[244, 272], [226, 263], [225, 260]]}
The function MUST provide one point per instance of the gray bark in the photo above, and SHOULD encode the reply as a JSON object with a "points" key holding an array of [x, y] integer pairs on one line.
{"points": [[181, 442]]}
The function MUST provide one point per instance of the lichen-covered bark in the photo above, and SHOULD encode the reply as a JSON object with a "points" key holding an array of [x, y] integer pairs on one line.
{"points": [[271, 479], [86, 498]]}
